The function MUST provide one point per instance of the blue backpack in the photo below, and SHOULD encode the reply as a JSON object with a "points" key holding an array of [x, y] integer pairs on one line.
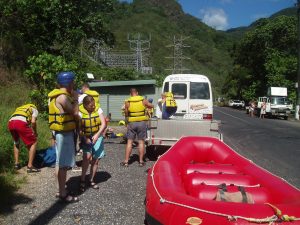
{"points": [[45, 157]]}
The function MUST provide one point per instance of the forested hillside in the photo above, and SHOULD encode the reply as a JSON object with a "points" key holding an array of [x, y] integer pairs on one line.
{"points": [[208, 49], [40, 38]]}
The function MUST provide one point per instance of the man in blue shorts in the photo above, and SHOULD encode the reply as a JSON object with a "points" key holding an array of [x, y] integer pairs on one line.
{"points": [[135, 113], [63, 114]]}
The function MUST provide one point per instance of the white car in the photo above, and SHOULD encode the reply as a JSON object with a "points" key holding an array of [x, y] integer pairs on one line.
{"points": [[236, 103]]}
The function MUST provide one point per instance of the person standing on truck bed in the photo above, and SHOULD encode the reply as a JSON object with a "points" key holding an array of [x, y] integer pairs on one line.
{"points": [[167, 105], [135, 114]]}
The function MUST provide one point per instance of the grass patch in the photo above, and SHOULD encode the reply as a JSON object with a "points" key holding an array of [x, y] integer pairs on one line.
{"points": [[13, 96]]}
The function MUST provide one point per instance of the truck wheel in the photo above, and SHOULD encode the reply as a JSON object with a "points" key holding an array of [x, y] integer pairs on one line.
{"points": [[285, 117]]}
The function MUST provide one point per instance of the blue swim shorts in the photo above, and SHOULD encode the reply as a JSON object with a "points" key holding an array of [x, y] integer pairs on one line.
{"points": [[97, 150], [65, 149]]}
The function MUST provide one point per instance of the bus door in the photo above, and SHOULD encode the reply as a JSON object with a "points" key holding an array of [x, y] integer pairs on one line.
{"points": [[180, 92]]}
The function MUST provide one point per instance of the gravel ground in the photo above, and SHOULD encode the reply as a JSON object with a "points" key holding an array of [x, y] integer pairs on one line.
{"points": [[119, 200]]}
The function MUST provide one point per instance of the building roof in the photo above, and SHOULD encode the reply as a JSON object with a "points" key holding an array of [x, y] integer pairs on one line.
{"points": [[121, 83]]}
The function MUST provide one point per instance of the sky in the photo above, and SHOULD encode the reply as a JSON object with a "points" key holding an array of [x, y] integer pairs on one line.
{"points": [[226, 14]]}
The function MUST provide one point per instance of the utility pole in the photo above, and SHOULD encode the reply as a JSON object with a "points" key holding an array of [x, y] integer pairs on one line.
{"points": [[298, 64], [178, 56], [139, 46]]}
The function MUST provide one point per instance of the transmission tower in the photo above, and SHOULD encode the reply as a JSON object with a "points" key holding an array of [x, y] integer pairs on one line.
{"points": [[139, 46], [178, 56], [136, 58]]}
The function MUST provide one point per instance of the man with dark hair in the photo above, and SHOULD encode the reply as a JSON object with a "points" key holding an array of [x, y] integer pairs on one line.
{"points": [[136, 118]]}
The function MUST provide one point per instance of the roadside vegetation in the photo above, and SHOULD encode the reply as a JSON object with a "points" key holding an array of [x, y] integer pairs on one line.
{"points": [[14, 92]]}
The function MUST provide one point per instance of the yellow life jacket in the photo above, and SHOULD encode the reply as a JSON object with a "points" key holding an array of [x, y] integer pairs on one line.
{"points": [[26, 111], [95, 96], [170, 101], [60, 121], [137, 110], [90, 122]]}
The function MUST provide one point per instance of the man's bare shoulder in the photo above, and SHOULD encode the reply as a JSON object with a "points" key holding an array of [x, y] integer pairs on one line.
{"points": [[62, 99], [147, 103]]}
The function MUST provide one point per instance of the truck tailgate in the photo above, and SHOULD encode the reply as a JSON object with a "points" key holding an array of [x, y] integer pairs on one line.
{"points": [[167, 132]]}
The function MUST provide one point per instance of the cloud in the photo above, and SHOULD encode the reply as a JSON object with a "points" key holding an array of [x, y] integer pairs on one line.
{"points": [[214, 17]]}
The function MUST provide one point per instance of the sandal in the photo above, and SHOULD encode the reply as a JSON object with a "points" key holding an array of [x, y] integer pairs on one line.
{"points": [[94, 185], [125, 164], [68, 199], [141, 164], [82, 186], [32, 170], [17, 166]]}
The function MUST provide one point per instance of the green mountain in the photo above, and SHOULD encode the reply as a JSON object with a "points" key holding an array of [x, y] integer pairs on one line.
{"points": [[162, 20], [292, 11], [238, 33]]}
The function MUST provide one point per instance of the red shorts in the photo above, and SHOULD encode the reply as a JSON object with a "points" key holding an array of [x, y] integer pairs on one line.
{"points": [[20, 129]]}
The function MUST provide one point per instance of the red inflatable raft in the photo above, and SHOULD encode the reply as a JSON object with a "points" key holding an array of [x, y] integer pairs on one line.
{"points": [[200, 180]]}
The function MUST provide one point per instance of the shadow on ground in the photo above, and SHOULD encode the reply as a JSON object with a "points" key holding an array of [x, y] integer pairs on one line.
{"points": [[74, 182], [73, 185], [9, 197], [153, 152]]}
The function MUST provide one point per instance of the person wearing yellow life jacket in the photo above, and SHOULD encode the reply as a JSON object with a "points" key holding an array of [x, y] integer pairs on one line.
{"points": [[63, 116], [93, 126], [150, 112], [85, 90], [22, 125], [135, 113], [169, 105]]}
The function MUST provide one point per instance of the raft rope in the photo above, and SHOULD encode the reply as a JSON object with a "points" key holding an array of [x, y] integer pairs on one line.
{"points": [[278, 217]]}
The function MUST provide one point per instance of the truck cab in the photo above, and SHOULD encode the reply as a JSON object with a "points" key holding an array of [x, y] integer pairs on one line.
{"points": [[277, 101], [193, 95]]}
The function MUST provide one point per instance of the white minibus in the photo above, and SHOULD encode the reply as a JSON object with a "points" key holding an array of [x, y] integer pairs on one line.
{"points": [[193, 95]]}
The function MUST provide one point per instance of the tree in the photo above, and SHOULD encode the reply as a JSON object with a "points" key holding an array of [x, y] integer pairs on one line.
{"points": [[54, 26], [42, 74], [268, 53]]}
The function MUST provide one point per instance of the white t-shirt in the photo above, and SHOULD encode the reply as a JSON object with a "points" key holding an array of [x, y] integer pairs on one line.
{"points": [[80, 98], [158, 110], [35, 114], [100, 111]]}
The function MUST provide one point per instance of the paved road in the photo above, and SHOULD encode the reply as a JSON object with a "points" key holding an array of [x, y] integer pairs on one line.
{"points": [[274, 144]]}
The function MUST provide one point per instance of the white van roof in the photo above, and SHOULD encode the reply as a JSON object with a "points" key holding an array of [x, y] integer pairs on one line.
{"points": [[187, 77]]}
